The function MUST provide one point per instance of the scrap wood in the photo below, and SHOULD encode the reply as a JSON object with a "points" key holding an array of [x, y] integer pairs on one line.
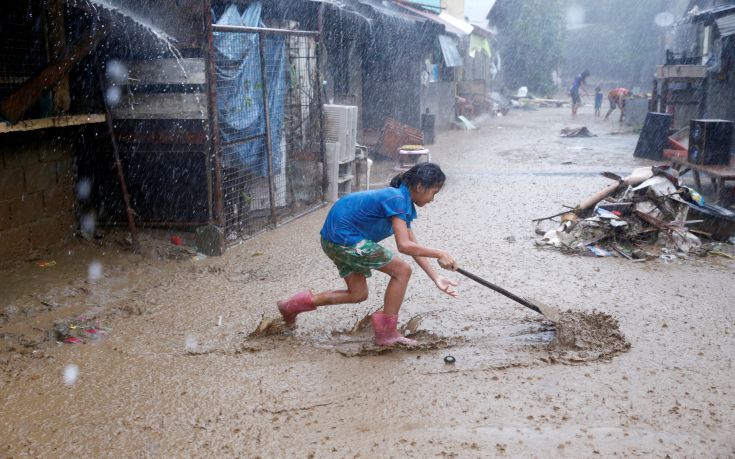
{"points": [[638, 176], [19, 101], [653, 221]]}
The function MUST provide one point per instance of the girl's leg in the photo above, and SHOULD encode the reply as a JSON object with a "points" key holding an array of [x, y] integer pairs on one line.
{"points": [[399, 272], [357, 291], [385, 321], [305, 301]]}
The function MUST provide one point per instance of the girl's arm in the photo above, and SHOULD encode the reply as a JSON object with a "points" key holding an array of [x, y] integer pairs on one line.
{"points": [[407, 244]]}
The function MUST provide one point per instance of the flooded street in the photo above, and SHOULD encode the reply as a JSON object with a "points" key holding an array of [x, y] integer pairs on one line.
{"points": [[179, 372]]}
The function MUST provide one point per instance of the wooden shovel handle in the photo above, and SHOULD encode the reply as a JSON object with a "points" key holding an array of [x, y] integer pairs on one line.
{"points": [[500, 290]]}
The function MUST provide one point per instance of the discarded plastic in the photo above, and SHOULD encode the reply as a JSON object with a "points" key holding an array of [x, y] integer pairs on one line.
{"points": [[449, 360], [598, 251]]}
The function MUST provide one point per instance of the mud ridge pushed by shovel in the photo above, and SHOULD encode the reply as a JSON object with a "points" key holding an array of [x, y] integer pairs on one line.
{"points": [[586, 336]]}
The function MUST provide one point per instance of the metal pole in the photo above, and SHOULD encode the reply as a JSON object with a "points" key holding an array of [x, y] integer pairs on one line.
{"points": [[268, 137], [321, 53], [118, 165], [215, 154]]}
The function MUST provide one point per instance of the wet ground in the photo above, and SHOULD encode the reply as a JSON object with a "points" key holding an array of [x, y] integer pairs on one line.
{"points": [[177, 371]]}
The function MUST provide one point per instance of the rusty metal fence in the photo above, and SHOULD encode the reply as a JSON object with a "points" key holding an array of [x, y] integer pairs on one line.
{"points": [[267, 135]]}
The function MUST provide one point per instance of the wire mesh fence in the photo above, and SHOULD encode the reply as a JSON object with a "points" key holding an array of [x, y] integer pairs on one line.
{"points": [[268, 111], [22, 47]]}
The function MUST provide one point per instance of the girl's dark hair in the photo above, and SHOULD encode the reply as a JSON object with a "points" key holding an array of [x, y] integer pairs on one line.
{"points": [[428, 175]]}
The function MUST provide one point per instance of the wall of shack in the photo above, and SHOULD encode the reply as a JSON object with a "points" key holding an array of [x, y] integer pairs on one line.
{"points": [[36, 191]]}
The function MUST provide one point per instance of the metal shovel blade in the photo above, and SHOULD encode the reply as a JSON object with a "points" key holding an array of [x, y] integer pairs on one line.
{"points": [[550, 312]]}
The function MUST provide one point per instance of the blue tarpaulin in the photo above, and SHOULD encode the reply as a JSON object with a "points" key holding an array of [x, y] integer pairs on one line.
{"points": [[241, 113]]}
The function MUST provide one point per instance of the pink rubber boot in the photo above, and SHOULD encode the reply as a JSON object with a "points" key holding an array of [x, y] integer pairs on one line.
{"points": [[302, 301], [384, 326]]}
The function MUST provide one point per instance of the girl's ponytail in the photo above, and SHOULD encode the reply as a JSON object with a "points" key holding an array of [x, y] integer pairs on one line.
{"points": [[427, 175], [397, 181]]}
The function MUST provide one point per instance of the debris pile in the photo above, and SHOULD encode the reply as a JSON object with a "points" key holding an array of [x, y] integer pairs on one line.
{"points": [[645, 215]]}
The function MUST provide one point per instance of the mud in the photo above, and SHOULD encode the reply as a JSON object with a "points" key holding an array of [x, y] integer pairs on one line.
{"points": [[356, 341], [577, 336], [584, 337], [177, 374]]}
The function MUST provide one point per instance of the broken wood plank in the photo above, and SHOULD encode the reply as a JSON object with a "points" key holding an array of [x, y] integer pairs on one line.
{"points": [[166, 71], [58, 121], [17, 103], [57, 44], [161, 106], [160, 137]]}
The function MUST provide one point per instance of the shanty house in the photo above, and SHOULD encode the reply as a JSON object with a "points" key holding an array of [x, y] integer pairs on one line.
{"points": [[697, 80], [154, 112]]}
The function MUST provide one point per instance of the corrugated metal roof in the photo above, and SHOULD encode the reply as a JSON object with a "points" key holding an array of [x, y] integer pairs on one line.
{"points": [[726, 25], [450, 51], [452, 25]]}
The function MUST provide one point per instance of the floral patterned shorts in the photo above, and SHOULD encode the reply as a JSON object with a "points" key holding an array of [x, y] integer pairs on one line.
{"points": [[360, 258]]}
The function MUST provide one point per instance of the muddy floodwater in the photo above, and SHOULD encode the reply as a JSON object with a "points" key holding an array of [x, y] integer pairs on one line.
{"points": [[179, 367]]}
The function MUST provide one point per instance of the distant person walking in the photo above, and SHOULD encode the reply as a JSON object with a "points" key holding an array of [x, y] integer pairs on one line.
{"points": [[617, 100], [577, 85], [598, 100]]}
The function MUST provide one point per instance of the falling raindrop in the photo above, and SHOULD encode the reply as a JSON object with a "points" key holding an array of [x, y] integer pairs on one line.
{"points": [[575, 16], [113, 94], [84, 189], [191, 343], [664, 19], [71, 374], [116, 72], [94, 271], [88, 224]]}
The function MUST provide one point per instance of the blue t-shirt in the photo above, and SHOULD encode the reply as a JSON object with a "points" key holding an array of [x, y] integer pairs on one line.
{"points": [[368, 215], [578, 80]]}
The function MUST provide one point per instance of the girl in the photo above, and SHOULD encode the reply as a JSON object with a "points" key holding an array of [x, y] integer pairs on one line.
{"points": [[350, 236]]}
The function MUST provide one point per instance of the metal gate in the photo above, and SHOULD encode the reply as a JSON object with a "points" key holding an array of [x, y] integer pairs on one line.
{"points": [[267, 131]]}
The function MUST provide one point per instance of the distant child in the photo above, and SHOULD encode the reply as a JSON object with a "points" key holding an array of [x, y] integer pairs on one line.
{"points": [[350, 238], [598, 100]]}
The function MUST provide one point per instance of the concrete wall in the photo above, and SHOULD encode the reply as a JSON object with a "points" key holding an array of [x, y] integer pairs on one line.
{"points": [[36, 192]]}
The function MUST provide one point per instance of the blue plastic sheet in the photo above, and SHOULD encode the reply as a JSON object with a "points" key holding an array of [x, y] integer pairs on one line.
{"points": [[241, 112]]}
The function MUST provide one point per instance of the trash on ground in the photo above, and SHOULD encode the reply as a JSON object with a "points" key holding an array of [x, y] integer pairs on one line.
{"points": [[645, 215], [78, 330], [577, 132], [467, 124]]}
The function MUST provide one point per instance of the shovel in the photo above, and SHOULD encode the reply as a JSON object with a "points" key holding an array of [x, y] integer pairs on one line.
{"points": [[547, 311]]}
